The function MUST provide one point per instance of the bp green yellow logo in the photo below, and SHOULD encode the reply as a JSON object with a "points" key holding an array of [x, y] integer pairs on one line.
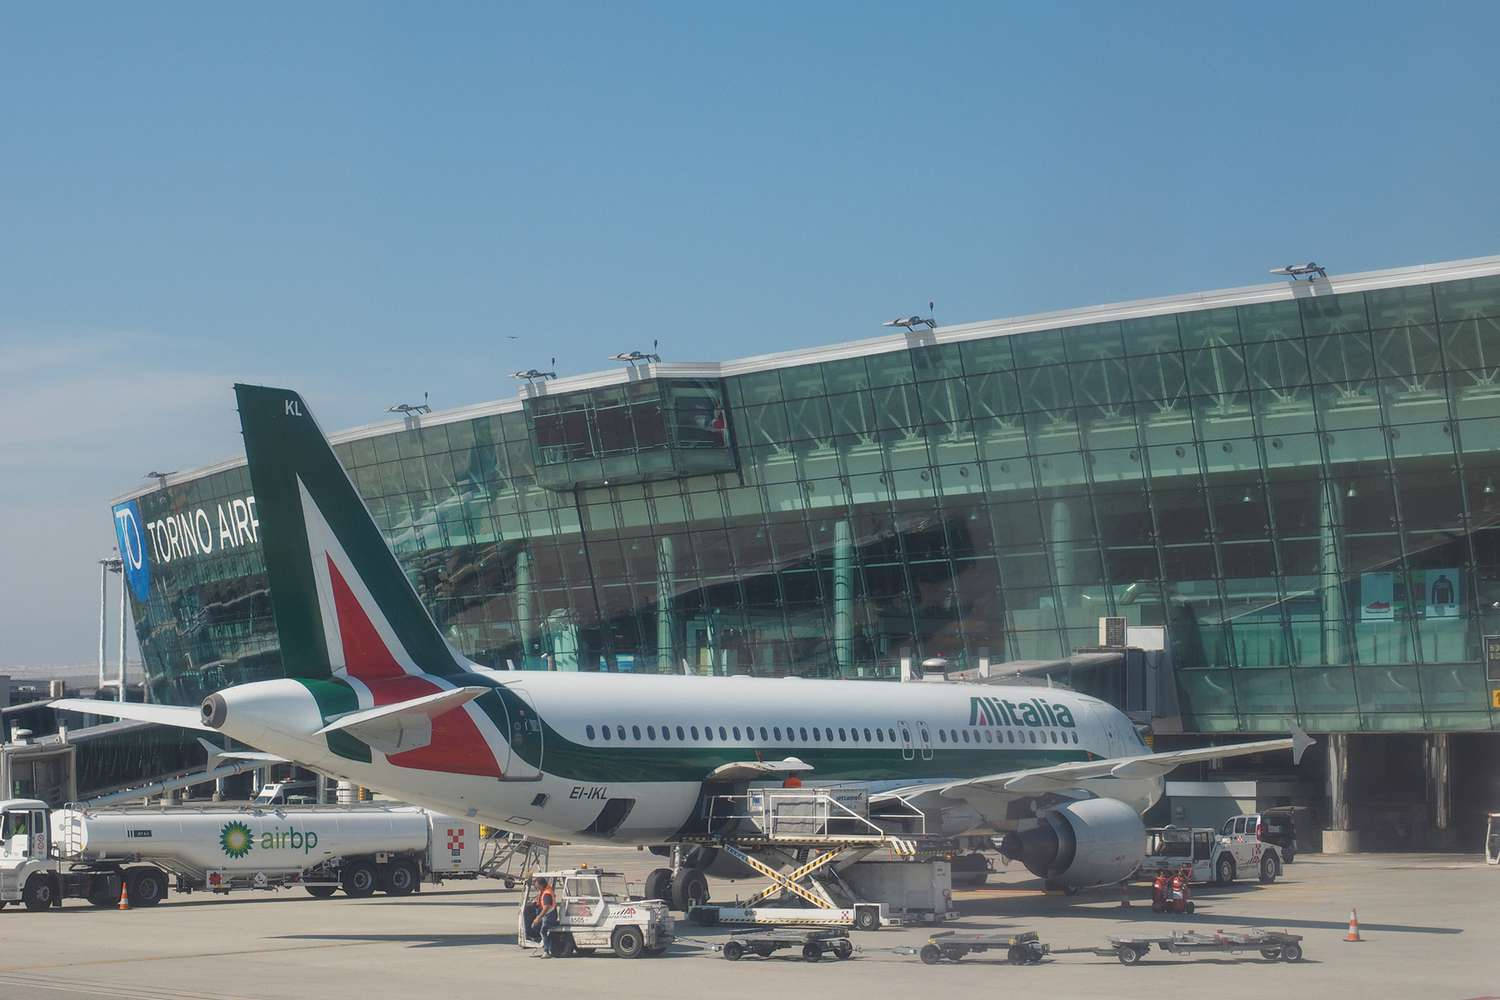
{"points": [[235, 839]]}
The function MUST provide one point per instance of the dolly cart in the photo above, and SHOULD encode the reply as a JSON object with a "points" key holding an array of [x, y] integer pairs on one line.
{"points": [[1272, 945], [1020, 949], [814, 944]]}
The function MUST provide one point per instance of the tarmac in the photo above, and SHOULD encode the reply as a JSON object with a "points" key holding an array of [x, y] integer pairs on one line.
{"points": [[1428, 923]]}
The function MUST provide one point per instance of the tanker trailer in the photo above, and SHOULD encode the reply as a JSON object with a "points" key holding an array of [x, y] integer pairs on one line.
{"points": [[90, 854]]}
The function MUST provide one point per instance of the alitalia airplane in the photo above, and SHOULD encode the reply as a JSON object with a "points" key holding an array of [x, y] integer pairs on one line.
{"points": [[373, 693]]}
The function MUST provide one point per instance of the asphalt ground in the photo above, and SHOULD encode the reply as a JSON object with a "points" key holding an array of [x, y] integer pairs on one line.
{"points": [[1429, 923]]}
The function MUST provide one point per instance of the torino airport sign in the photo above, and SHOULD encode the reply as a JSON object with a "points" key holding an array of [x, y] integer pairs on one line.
{"points": [[201, 531]]}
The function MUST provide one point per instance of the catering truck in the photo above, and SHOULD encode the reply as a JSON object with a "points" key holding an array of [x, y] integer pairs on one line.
{"points": [[78, 853]]}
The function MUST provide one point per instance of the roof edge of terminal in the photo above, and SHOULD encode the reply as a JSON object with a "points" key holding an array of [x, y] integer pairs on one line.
{"points": [[1339, 284]]}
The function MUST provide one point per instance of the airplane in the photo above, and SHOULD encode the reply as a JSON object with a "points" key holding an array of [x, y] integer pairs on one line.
{"points": [[373, 693]]}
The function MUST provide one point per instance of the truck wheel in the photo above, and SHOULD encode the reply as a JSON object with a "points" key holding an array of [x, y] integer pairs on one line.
{"points": [[104, 891], [321, 891], [1224, 873], [358, 880], [563, 945], [811, 952], [689, 889], [1291, 952], [734, 951], [148, 886], [1268, 869], [38, 894], [627, 941], [658, 885], [866, 918], [930, 954], [401, 879], [1127, 955]]}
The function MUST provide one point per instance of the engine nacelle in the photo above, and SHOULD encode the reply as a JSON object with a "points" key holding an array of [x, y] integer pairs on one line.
{"points": [[1081, 844]]}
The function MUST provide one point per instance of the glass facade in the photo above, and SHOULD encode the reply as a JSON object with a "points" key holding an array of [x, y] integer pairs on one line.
{"points": [[1300, 488]]}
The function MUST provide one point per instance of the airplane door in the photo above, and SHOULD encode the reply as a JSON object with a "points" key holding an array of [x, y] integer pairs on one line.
{"points": [[924, 740], [907, 753], [525, 762]]}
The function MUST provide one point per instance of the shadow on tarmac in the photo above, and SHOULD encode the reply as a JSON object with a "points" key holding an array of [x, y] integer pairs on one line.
{"points": [[415, 940]]}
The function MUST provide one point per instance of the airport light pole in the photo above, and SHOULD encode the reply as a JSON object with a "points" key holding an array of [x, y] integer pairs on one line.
{"points": [[106, 567]]}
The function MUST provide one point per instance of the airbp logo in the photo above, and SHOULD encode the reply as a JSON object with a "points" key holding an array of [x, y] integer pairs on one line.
{"points": [[235, 840]]}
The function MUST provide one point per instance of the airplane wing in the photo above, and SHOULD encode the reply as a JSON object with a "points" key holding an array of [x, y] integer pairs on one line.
{"points": [[1062, 777], [753, 770], [164, 715]]}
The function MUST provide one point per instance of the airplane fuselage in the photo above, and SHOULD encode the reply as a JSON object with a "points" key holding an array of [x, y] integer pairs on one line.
{"points": [[623, 758]]}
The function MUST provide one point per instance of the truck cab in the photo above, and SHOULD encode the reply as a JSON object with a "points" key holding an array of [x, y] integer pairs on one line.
{"points": [[594, 910], [26, 862]]}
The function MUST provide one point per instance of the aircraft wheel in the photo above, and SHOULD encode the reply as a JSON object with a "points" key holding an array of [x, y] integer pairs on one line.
{"points": [[658, 885], [689, 889]]}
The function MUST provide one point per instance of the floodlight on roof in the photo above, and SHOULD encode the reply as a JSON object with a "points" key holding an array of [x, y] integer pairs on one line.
{"points": [[411, 409], [913, 322], [533, 374], [1308, 271], [632, 357]]}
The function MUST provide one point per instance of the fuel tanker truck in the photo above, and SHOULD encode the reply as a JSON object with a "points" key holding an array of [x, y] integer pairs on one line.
{"points": [[77, 853]]}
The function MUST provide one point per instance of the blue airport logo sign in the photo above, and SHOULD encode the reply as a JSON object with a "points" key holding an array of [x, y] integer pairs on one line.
{"points": [[131, 536]]}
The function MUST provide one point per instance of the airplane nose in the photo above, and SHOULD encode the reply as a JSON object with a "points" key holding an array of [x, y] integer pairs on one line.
{"points": [[214, 711]]}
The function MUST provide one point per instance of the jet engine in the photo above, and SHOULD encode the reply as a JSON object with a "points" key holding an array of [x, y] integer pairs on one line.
{"points": [[1081, 844]]}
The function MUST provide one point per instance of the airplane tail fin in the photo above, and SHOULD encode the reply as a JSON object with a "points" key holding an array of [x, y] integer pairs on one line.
{"points": [[344, 607]]}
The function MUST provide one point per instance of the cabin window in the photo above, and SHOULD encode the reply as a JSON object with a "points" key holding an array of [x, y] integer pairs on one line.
{"points": [[1053, 736], [635, 731], [828, 733], [906, 735], [723, 735], [892, 734], [695, 732], [854, 734], [942, 736], [842, 736], [708, 732], [966, 735], [867, 735], [736, 732], [1010, 735], [666, 732], [651, 733], [1033, 737], [776, 733], [604, 731], [680, 734], [816, 737], [989, 736], [803, 731], [588, 731], [880, 736], [1075, 737], [763, 737]]}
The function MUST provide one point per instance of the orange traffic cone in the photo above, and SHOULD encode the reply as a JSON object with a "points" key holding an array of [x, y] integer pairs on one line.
{"points": [[1353, 934], [124, 897]]}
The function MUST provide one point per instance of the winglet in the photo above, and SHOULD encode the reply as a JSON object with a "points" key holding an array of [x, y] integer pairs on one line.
{"points": [[1300, 742]]}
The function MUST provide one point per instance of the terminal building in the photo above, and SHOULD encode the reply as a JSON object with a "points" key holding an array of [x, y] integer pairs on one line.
{"points": [[1291, 489]]}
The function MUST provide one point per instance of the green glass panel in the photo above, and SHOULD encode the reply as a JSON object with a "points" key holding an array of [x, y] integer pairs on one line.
{"points": [[1096, 340], [893, 368], [802, 382], [1408, 350], [1329, 314], [1270, 321], [1469, 298], [1209, 328], [987, 355], [937, 362], [1404, 306], [1150, 335], [1202, 693], [1043, 347]]}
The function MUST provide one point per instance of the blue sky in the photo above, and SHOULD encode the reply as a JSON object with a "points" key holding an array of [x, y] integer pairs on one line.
{"points": [[368, 201]]}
